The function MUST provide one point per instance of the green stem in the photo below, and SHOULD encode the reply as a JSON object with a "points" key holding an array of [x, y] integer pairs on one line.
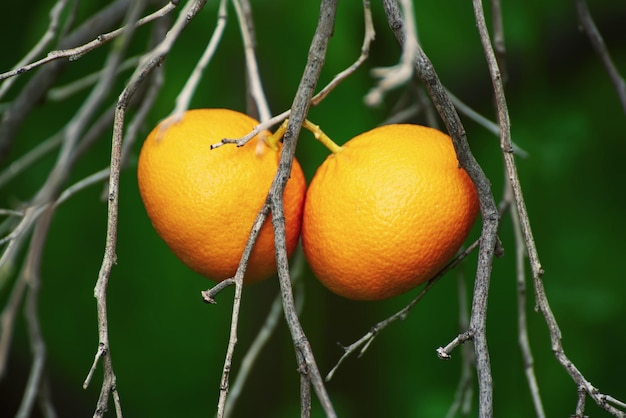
{"points": [[321, 136]]}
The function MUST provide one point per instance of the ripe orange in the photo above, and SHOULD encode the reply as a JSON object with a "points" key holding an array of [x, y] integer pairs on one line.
{"points": [[387, 211], [203, 202]]}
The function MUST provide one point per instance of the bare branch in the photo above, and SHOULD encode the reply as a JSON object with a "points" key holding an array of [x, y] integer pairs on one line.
{"points": [[75, 53], [537, 270], [368, 38], [61, 93], [39, 84], [445, 107], [184, 97], [48, 36], [299, 110], [363, 343], [155, 57], [31, 276], [252, 67], [266, 331], [520, 261], [498, 37], [209, 297], [393, 77], [598, 44], [257, 130], [463, 396]]}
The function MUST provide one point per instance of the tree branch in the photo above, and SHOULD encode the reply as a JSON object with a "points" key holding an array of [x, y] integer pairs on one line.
{"points": [[490, 218], [299, 110], [32, 93], [600, 47], [153, 59]]}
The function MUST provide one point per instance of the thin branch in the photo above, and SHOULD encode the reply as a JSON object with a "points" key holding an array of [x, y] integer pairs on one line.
{"points": [[39, 84], [520, 261], [368, 38], [463, 396], [266, 331], [393, 77], [537, 270], [209, 297], [299, 110], [28, 159], [184, 97], [48, 36], [254, 132], [60, 93], [75, 53], [445, 107], [499, 45], [363, 343], [255, 86], [484, 122], [600, 47], [31, 276], [151, 61]]}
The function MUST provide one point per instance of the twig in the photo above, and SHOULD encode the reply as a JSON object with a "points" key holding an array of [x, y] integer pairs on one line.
{"points": [[477, 330], [520, 261], [299, 110], [151, 61], [363, 343], [484, 122], [184, 97], [77, 52], [209, 297], [368, 38], [463, 395], [255, 87], [600, 47], [39, 84], [63, 92], [31, 276], [266, 331], [537, 270], [48, 36], [392, 77], [499, 45], [22, 163], [254, 132]]}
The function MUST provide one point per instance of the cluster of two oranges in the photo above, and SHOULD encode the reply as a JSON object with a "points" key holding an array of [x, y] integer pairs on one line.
{"points": [[383, 213]]}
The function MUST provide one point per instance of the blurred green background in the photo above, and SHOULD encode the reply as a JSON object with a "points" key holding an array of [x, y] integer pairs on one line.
{"points": [[168, 347]]}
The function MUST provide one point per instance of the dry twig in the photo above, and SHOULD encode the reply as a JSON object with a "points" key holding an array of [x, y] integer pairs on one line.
{"points": [[602, 400], [364, 342], [600, 47], [307, 366], [477, 329]]}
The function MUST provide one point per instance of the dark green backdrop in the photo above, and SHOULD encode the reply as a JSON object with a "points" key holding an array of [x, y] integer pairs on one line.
{"points": [[168, 347]]}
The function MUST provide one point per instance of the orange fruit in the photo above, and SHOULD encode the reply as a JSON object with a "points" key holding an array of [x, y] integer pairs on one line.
{"points": [[203, 202], [386, 212]]}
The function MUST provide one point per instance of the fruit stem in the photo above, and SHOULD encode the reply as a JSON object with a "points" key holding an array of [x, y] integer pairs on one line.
{"points": [[272, 140], [321, 136]]}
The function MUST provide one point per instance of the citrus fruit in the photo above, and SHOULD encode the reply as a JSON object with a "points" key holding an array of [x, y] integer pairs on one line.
{"points": [[386, 211], [203, 202]]}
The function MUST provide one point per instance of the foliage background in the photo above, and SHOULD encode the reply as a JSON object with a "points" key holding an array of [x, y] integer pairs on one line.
{"points": [[168, 347]]}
